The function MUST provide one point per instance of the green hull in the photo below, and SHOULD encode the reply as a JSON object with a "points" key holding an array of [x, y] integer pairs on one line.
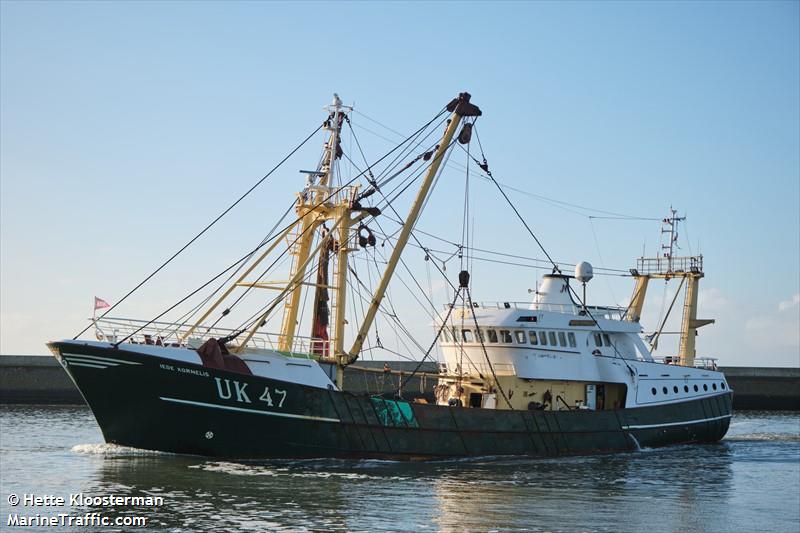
{"points": [[161, 404]]}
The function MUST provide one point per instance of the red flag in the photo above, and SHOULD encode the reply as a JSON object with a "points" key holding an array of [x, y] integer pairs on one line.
{"points": [[99, 303]]}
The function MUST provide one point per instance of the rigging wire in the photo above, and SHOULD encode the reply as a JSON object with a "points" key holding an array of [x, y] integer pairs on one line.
{"points": [[485, 167], [182, 321], [435, 340], [657, 335], [379, 225], [602, 262], [516, 256], [389, 203], [442, 111], [553, 201], [465, 215], [483, 347], [433, 251], [192, 293], [193, 239], [367, 171], [393, 315]]}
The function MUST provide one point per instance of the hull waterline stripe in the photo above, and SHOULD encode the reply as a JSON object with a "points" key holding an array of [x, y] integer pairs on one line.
{"points": [[667, 424], [72, 358], [87, 365], [100, 359], [242, 409]]}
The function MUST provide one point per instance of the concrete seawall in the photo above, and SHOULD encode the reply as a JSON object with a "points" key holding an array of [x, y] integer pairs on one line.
{"points": [[40, 380], [767, 388]]}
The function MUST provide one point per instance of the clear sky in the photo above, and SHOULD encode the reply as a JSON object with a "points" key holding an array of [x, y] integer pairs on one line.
{"points": [[126, 126]]}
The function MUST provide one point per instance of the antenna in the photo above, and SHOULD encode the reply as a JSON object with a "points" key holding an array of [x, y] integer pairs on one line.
{"points": [[669, 233], [667, 266]]}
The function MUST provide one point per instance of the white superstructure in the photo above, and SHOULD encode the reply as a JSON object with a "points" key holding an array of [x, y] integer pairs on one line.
{"points": [[555, 354]]}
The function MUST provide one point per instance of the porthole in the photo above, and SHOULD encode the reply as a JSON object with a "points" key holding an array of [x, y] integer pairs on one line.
{"points": [[675, 389], [664, 390], [705, 386], [714, 386], [722, 385], [695, 388], [653, 390], [686, 388]]}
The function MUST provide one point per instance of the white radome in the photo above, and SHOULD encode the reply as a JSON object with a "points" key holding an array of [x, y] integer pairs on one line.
{"points": [[583, 272]]}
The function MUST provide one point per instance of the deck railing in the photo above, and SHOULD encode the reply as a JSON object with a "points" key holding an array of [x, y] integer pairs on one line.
{"points": [[610, 313], [666, 265], [112, 329], [706, 363], [500, 369]]}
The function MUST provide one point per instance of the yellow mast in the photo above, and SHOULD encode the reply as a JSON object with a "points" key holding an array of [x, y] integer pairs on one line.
{"points": [[320, 202], [634, 313], [295, 283], [667, 267], [239, 281], [459, 107], [312, 215], [690, 323]]}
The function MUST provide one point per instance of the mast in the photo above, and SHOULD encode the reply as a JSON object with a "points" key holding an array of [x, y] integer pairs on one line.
{"points": [[668, 266], [312, 215], [337, 212], [460, 107], [669, 227], [318, 203]]}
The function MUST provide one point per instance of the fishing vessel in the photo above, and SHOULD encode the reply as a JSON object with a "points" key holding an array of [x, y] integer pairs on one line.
{"points": [[545, 377]]}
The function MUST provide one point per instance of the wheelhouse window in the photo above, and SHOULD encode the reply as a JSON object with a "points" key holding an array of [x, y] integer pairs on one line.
{"points": [[571, 338], [562, 338], [505, 336], [479, 335], [534, 339], [520, 335], [552, 335], [492, 335], [606, 339], [598, 340], [466, 335], [543, 338]]}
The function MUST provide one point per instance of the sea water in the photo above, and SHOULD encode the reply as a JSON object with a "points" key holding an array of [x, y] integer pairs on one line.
{"points": [[748, 482]]}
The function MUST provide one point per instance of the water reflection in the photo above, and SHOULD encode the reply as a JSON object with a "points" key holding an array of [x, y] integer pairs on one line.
{"points": [[678, 485], [203, 495], [751, 478], [567, 493]]}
